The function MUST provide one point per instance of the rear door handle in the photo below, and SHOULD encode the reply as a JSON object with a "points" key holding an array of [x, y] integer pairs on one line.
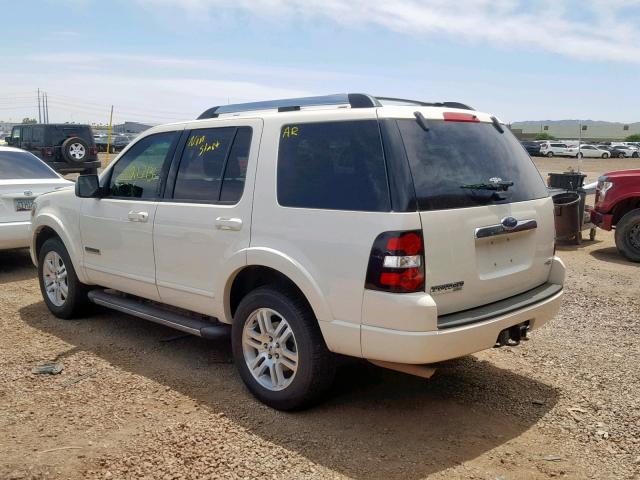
{"points": [[227, 223], [134, 216]]}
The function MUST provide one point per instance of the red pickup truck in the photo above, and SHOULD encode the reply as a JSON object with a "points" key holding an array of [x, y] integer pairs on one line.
{"points": [[618, 206]]}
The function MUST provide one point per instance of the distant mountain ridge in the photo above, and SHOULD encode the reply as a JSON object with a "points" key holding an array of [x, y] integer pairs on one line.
{"points": [[600, 123]]}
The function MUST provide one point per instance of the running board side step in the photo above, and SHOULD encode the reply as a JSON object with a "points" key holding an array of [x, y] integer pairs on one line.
{"points": [[148, 311]]}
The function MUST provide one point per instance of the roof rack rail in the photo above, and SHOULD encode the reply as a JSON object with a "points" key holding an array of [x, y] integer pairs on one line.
{"points": [[354, 100], [426, 104]]}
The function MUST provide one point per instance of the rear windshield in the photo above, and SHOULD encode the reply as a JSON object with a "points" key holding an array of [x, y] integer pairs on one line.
{"points": [[23, 165], [60, 133], [453, 155]]}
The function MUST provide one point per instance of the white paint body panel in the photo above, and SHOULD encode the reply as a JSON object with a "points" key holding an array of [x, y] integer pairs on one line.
{"points": [[194, 257], [180, 258]]}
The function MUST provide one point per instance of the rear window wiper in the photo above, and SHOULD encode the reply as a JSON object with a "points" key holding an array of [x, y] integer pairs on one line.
{"points": [[421, 121], [500, 186]]}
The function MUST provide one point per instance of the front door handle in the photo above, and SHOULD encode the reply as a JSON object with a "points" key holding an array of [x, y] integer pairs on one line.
{"points": [[227, 223], [134, 216]]}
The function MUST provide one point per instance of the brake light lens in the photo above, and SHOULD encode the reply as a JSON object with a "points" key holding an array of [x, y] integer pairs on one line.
{"points": [[47, 152], [396, 263], [93, 150], [460, 117]]}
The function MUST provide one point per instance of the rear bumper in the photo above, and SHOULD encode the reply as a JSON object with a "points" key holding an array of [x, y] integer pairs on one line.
{"points": [[419, 336], [602, 220], [435, 346], [14, 235], [69, 167]]}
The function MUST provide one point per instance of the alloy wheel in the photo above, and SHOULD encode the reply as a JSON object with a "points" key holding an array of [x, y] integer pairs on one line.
{"points": [[77, 151], [54, 275], [270, 349]]}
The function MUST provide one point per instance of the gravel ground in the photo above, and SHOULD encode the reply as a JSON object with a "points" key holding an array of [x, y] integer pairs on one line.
{"points": [[136, 401]]}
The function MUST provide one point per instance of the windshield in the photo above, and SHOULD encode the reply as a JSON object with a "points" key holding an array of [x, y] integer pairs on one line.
{"points": [[23, 165], [452, 155]]}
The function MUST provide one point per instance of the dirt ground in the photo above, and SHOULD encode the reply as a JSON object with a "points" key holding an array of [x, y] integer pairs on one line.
{"points": [[136, 400]]}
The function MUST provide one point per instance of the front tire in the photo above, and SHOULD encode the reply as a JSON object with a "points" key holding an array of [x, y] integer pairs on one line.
{"points": [[605, 155], [279, 350], [628, 235], [64, 295]]}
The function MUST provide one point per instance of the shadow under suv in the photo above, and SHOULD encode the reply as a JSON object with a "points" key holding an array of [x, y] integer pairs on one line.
{"points": [[64, 147]]}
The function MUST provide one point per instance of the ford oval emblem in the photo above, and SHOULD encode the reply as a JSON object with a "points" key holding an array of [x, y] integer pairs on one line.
{"points": [[28, 193], [509, 223]]}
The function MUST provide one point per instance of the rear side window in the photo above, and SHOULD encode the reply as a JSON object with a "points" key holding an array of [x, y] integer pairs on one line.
{"points": [[213, 166], [333, 165], [452, 156], [138, 173], [59, 134], [23, 165]]}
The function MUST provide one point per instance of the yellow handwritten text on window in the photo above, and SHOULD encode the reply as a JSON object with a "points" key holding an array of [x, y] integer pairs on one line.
{"points": [[289, 132], [143, 172], [208, 147]]}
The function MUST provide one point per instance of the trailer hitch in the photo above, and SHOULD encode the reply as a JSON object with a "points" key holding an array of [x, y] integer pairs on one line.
{"points": [[512, 336]]}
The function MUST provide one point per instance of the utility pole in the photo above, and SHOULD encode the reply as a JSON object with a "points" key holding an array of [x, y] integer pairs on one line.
{"points": [[109, 137], [579, 146], [39, 114], [47, 97], [45, 109]]}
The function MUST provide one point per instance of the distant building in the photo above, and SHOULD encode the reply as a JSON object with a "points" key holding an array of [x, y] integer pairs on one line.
{"points": [[574, 129], [131, 127]]}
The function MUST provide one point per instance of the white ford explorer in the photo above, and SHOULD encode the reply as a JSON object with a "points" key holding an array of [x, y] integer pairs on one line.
{"points": [[401, 232]]}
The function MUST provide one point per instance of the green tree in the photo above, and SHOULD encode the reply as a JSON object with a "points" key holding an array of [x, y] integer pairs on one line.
{"points": [[633, 138], [545, 136], [29, 120]]}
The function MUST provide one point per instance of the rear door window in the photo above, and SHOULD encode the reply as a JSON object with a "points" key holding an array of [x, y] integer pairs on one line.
{"points": [[213, 166], [23, 165], [452, 156], [333, 165]]}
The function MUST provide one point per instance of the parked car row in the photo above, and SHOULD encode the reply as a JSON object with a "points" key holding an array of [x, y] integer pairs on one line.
{"points": [[548, 148], [117, 142]]}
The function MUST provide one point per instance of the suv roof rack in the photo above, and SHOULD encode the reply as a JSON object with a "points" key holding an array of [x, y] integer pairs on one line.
{"points": [[425, 104], [354, 100]]}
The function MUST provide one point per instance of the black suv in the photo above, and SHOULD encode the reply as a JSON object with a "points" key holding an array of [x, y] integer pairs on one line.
{"points": [[64, 147]]}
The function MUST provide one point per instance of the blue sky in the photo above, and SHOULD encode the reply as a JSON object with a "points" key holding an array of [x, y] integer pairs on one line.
{"points": [[167, 60]]}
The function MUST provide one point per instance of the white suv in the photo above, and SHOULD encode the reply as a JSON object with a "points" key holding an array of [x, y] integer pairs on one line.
{"points": [[397, 231], [549, 149]]}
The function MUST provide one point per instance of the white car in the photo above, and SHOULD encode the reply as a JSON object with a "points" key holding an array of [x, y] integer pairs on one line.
{"points": [[629, 151], [550, 149], [588, 151], [404, 234], [23, 176]]}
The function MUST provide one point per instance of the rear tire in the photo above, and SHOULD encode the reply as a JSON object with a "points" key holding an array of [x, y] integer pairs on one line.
{"points": [[64, 295], [621, 155], [605, 155], [549, 154], [628, 235], [260, 357]]}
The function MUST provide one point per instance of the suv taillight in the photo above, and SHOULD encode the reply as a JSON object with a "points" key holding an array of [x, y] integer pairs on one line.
{"points": [[396, 263], [93, 150], [47, 152]]}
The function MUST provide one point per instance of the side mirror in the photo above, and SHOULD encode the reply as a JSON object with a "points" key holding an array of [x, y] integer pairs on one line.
{"points": [[88, 186]]}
